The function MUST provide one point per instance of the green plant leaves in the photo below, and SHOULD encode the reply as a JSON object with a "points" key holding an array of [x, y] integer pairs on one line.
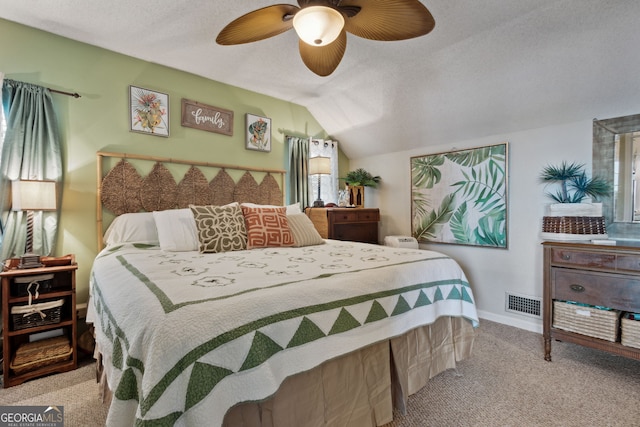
{"points": [[472, 207], [425, 172], [362, 177], [574, 184], [434, 220]]}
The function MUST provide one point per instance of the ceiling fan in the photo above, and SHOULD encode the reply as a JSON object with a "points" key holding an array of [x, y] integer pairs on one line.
{"points": [[322, 26]]}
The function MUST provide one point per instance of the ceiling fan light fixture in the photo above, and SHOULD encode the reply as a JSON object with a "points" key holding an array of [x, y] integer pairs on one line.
{"points": [[318, 25]]}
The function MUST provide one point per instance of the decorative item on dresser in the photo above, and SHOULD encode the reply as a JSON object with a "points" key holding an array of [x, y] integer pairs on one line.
{"points": [[358, 225], [319, 166], [355, 181], [38, 319], [587, 289], [572, 217]]}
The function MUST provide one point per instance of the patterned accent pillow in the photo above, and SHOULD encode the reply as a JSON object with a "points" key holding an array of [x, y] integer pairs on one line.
{"points": [[267, 227], [220, 228], [304, 233]]}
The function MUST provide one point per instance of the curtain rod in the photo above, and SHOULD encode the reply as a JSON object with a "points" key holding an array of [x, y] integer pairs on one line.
{"points": [[74, 94]]}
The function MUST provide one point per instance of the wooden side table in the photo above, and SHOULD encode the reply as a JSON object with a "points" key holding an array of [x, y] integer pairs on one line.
{"points": [[55, 285]]}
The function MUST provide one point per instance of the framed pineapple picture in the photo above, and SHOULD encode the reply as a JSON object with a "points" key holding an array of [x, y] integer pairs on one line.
{"points": [[460, 197], [148, 111]]}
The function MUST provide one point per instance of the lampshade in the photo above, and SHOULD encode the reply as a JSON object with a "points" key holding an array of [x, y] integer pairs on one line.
{"points": [[320, 165], [33, 195], [318, 25]]}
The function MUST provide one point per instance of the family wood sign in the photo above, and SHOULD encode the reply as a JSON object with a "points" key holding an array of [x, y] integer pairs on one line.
{"points": [[206, 117]]}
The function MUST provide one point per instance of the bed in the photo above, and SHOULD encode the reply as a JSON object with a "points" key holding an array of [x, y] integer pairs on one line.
{"points": [[193, 328]]}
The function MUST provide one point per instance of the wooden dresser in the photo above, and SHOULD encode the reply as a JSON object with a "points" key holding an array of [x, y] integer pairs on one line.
{"points": [[354, 224], [597, 275]]}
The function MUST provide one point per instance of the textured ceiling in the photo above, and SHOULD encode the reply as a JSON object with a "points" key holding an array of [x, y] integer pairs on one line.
{"points": [[488, 67]]}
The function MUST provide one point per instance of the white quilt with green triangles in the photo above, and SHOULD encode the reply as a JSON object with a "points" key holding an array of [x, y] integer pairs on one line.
{"points": [[189, 335]]}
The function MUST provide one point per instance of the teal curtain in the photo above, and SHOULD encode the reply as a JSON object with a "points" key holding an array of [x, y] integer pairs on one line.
{"points": [[298, 171], [30, 150]]}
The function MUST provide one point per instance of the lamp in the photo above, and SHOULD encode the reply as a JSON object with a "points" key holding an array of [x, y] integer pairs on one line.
{"points": [[32, 196], [319, 166], [318, 25]]}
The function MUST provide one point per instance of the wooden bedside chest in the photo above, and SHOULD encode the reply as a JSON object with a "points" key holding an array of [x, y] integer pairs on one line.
{"points": [[55, 285], [353, 224]]}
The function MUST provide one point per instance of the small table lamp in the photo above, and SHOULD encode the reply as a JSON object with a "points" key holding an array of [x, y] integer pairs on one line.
{"points": [[32, 196], [319, 166]]}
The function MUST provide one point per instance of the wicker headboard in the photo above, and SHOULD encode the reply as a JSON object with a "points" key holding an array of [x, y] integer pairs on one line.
{"points": [[137, 183]]}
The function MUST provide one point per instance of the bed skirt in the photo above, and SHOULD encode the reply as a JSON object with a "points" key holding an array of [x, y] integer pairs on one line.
{"points": [[361, 388]]}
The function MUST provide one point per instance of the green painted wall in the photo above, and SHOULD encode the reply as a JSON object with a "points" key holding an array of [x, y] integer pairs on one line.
{"points": [[98, 121]]}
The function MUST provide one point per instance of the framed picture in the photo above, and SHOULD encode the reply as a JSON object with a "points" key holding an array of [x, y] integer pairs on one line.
{"points": [[206, 117], [460, 197], [148, 111], [258, 133]]}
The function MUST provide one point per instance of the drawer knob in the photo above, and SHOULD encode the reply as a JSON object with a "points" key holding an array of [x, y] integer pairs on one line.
{"points": [[566, 257], [577, 288]]}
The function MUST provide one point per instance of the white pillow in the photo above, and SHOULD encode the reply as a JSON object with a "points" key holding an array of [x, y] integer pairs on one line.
{"points": [[176, 230], [304, 232], [291, 209], [139, 227]]}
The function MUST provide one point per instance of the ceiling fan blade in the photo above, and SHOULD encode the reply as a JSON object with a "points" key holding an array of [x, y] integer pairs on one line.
{"points": [[388, 19], [258, 25], [323, 60]]}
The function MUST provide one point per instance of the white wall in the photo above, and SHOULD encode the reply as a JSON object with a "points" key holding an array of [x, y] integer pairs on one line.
{"points": [[491, 272]]}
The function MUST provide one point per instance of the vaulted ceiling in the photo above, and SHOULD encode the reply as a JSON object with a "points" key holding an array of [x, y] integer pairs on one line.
{"points": [[489, 67]]}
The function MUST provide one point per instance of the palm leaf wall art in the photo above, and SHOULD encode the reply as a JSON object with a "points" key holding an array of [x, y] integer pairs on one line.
{"points": [[460, 197]]}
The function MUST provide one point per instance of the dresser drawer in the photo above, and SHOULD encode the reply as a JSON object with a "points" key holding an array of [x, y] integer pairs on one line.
{"points": [[357, 232], [573, 258], [628, 263], [344, 216], [368, 216], [614, 291]]}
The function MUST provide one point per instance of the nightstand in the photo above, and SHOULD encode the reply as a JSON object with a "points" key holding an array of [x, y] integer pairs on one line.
{"points": [[354, 224], [39, 339]]}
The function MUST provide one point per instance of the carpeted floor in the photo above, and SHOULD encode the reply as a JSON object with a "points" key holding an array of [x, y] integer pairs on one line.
{"points": [[76, 391], [507, 382]]}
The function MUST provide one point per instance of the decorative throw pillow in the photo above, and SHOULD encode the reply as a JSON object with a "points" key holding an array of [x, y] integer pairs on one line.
{"points": [[304, 233], [267, 227], [220, 228]]}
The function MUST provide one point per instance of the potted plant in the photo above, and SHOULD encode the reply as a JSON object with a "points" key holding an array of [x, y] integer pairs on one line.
{"points": [[575, 186], [361, 177], [355, 181], [573, 214]]}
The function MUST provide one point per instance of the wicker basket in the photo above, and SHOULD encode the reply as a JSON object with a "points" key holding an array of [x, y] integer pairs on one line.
{"points": [[28, 316], [33, 285], [41, 353], [586, 320], [630, 335], [574, 224]]}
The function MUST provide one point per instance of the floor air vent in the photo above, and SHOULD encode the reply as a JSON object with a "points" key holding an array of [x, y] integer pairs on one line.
{"points": [[529, 306]]}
